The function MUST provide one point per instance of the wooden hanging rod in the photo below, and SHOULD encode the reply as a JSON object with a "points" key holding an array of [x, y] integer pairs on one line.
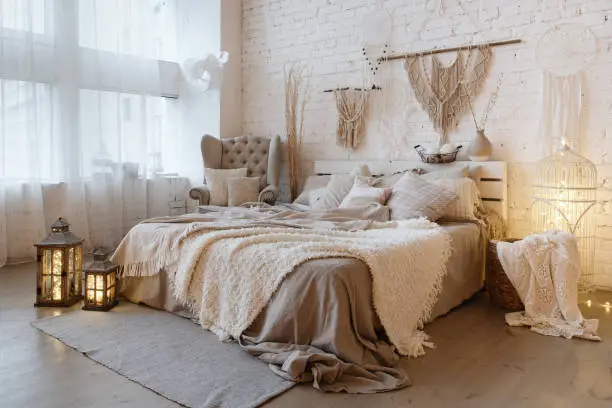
{"points": [[373, 88], [452, 49]]}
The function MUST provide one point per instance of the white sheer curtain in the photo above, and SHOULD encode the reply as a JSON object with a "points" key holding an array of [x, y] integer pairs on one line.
{"points": [[88, 112]]}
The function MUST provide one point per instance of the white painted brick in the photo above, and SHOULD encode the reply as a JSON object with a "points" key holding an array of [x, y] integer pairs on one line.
{"points": [[327, 33]]}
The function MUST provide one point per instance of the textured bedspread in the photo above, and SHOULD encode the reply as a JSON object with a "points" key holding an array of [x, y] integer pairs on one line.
{"points": [[320, 326]]}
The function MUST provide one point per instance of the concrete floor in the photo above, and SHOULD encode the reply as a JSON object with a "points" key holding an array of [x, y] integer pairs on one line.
{"points": [[478, 362]]}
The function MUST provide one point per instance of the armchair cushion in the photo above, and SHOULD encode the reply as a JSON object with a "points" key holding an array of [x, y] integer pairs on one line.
{"points": [[242, 190], [216, 179]]}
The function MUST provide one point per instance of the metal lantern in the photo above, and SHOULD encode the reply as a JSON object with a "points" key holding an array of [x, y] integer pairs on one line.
{"points": [[564, 194], [60, 261], [100, 282]]}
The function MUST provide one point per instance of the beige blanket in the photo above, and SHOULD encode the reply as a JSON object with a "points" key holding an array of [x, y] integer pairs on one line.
{"points": [[228, 274]]}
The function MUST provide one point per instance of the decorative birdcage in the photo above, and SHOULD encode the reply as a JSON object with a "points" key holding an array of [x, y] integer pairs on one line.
{"points": [[564, 194]]}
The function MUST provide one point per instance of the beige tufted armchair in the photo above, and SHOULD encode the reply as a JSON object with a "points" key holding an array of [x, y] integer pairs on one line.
{"points": [[261, 156]]}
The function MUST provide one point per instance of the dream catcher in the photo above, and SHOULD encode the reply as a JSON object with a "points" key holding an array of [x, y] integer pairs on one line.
{"points": [[563, 53]]}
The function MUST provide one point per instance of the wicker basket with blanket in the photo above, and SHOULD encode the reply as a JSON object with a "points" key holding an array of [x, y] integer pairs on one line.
{"points": [[501, 291]]}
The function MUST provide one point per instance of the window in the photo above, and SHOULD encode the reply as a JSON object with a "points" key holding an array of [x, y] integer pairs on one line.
{"points": [[81, 85], [146, 28]]}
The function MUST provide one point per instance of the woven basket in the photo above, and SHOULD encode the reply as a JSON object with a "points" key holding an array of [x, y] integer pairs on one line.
{"points": [[501, 291], [436, 158]]}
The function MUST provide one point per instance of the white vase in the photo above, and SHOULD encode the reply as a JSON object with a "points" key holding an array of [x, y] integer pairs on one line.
{"points": [[480, 148]]}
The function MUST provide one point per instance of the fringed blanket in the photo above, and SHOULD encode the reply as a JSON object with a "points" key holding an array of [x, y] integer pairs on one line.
{"points": [[228, 270], [545, 269]]}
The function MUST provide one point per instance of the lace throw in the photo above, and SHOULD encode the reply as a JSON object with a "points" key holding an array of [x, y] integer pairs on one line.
{"points": [[444, 91], [352, 106], [545, 269]]}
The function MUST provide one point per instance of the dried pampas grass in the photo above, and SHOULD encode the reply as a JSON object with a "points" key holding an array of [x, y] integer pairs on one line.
{"points": [[296, 96]]}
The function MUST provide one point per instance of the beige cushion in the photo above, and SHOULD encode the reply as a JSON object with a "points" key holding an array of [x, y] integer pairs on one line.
{"points": [[413, 197], [216, 179], [242, 190], [464, 208], [362, 194]]}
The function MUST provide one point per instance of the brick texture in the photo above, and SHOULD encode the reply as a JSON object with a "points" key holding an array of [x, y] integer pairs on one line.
{"points": [[327, 35]]}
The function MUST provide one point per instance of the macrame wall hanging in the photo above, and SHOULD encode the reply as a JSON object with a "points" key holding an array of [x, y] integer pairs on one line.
{"points": [[352, 107], [443, 91]]}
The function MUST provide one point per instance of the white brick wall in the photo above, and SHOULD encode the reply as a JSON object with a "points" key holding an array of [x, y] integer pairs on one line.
{"points": [[327, 33]]}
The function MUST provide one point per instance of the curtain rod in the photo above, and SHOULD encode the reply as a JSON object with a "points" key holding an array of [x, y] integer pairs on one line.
{"points": [[443, 50]]}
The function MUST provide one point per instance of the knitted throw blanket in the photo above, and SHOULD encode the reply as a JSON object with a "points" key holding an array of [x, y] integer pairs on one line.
{"points": [[228, 276], [545, 269]]}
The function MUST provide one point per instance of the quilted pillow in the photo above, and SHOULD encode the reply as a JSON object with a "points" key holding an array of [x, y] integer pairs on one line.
{"points": [[216, 180], [464, 208], [413, 197], [362, 195]]}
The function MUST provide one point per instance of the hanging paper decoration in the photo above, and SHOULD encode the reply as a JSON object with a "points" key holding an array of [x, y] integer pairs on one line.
{"points": [[352, 106], [205, 74], [444, 92]]}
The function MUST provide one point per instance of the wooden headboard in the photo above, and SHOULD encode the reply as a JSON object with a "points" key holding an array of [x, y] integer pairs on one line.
{"points": [[491, 177]]}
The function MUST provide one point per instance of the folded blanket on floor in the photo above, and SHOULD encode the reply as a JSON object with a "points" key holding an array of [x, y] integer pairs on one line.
{"points": [[228, 273], [545, 269]]}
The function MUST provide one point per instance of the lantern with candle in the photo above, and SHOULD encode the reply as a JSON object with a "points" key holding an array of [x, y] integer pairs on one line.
{"points": [[60, 258], [100, 282]]}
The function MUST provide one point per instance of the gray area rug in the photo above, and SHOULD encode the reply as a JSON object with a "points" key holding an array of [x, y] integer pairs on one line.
{"points": [[169, 355]]}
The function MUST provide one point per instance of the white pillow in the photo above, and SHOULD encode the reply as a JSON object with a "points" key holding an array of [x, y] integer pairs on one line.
{"points": [[413, 197], [216, 180], [363, 195], [319, 181], [331, 196], [464, 208], [312, 183]]}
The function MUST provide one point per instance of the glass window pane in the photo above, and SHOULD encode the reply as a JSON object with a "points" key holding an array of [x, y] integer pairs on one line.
{"points": [[120, 128], [27, 151], [145, 28], [24, 15], [91, 285]]}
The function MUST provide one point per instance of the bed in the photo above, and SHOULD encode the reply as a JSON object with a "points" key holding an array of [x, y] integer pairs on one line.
{"points": [[322, 315]]}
